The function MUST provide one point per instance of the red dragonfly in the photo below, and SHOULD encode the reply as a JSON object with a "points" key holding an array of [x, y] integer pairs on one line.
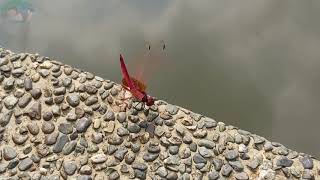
{"points": [[136, 87]]}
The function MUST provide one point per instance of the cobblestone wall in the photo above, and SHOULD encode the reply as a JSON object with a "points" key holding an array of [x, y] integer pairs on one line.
{"points": [[58, 122]]}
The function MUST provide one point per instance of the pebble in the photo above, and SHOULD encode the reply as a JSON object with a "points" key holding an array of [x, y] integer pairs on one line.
{"points": [[65, 128], [51, 138], [9, 153], [213, 175], [120, 153], [231, 155], [61, 142], [207, 143], [236, 165], [110, 127], [19, 139], [33, 128], [97, 138], [204, 152], [226, 170], [241, 176], [35, 111], [69, 147], [47, 127], [162, 172], [284, 162], [10, 101], [25, 164], [24, 100], [129, 157], [6, 118], [27, 83], [98, 158], [306, 162], [197, 158], [69, 167], [73, 99], [133, 128], [36, 93], [83, 124], [149, 157]]}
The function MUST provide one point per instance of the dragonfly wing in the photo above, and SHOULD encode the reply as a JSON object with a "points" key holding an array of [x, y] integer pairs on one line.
{"points": [[125, 74]]}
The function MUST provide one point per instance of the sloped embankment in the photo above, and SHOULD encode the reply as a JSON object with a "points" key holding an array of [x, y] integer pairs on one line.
{"points": [[61, 122]]}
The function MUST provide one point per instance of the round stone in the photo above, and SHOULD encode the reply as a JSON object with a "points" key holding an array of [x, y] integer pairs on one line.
{"points": [[69, 167], [47, 127], [9, 153], [133, 128], [25, 164], [33, 128], [51, 138], [36, 93], [19, 139], [10, 101], [121, 116], [73, 99]]}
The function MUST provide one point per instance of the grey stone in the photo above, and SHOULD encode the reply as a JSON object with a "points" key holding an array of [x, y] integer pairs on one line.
{"points": [[226, 170], [120, 153], [9, 153], [207, 143], [129, 157], [35, 111], [69, 147], [27, 83], [236, 165], [121, 117], [33, 128], [47, 127], [62, 140], [10, 101], [213, 175], [98, 158], [4, 121], [19, 139], [231, 155], [51, 138], [197, 158], [284, 162], [25, 164], [173, 150], [69, 167], [162, 172], [91, 100], [36, 93], [133, 128], [24, 100], [65, 128], [204, 152], [83, 124], [149, 157], [73, 99], [241, 176], [307, 162]]}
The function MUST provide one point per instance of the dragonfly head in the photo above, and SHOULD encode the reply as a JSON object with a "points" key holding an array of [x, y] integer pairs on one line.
{"points": [[150, 101]]}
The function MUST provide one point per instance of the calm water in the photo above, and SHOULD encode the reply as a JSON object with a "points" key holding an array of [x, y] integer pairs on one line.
{"points": [[251, 64]]}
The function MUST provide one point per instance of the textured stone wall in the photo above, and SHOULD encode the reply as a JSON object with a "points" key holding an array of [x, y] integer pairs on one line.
{"points": [[61, 122]]}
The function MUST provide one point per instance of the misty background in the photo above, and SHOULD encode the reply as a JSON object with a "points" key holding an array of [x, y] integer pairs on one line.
{"points": [[251, 64]]}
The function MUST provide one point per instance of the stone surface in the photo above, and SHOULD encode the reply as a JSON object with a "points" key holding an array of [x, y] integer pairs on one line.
{"points": [[59, 122]]}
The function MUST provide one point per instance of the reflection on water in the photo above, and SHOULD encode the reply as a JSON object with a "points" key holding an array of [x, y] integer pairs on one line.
{"points": [[251, 64]]}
